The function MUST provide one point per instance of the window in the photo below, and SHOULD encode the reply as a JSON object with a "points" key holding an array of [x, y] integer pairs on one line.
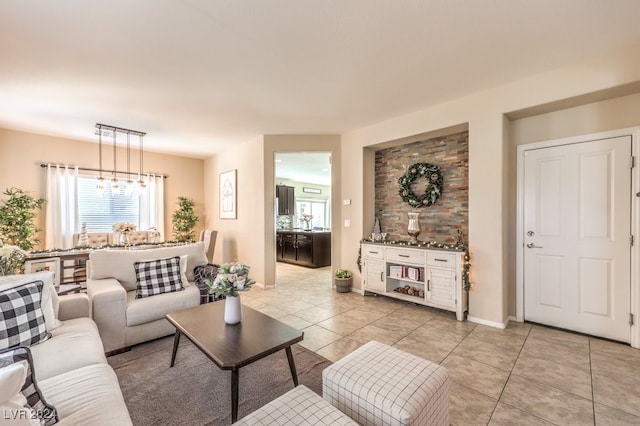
{"points": [[318, 209], [100, 213]]}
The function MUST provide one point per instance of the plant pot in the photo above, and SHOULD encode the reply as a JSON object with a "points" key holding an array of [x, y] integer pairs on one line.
{"points": [[343, 285]]}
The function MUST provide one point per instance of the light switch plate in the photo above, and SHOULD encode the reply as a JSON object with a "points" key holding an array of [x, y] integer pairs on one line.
{"points": [[347, 223]]}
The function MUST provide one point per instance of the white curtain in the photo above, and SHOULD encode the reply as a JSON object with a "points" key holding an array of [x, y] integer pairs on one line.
{"points": [[63, 218], [152, 205]]}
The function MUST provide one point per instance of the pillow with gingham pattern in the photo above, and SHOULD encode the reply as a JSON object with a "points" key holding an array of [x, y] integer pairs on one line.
{"points": [[30, 390], [158, 276], [21, 317]]}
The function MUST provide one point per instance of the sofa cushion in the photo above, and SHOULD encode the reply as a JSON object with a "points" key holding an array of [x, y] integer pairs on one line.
{"points": [[49, 301], [76, 343], [118, 264], [147, 309], [30, 389], [158, 276], [21, 317], [13, 405], [89, 395]]}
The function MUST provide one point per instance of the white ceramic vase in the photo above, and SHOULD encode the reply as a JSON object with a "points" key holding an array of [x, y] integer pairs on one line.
{"points": [[232, 310]]}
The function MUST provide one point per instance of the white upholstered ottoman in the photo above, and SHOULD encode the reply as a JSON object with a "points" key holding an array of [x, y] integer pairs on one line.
{"points": [[380, 385], [299, 406]]}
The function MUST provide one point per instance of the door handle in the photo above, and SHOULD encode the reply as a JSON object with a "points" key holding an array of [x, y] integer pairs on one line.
{"points": [[532, 245]]}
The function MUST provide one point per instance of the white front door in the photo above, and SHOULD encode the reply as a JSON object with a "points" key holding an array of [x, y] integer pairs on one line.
{"points": [[577, 225]]}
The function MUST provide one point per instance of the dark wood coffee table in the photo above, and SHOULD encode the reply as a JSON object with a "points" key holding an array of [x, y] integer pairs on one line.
{"points": [[233, 346]]}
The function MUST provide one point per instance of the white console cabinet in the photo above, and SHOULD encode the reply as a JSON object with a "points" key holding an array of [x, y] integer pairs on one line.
{"points": [[429, 277]]}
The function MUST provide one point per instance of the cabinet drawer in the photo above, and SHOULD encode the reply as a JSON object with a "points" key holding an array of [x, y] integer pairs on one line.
{"points": [[372, 252], [302, 237], [441, 259], [405, 256]]}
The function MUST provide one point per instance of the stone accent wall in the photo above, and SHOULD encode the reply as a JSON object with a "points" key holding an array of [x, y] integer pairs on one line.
{"points": [[441, 221]]}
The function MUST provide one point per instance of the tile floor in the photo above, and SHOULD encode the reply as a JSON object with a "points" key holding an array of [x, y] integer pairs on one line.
{"points": [[524, 375]]}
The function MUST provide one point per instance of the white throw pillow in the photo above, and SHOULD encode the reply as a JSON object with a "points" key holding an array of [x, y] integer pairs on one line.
{"points": [[12, 402], [49, 300]]}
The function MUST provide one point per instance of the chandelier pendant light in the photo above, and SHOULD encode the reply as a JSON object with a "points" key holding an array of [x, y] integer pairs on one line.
{"points": [[128, 188], [141, 182], [129, 184], [115, 184], [100, 184]]}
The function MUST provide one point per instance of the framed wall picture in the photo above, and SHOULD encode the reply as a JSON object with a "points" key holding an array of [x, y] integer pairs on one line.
{"points": [[228, 195]]}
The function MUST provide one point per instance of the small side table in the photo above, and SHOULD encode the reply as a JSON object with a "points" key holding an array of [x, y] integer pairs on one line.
{"points": [[63, 289]]}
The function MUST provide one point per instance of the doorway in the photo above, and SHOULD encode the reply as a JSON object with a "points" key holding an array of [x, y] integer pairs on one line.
{"points": [[302, 214], [575, 201]]}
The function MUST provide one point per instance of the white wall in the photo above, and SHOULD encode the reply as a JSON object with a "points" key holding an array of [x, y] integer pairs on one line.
{"points": [[618, 113], [250, 238], [489, 165]]}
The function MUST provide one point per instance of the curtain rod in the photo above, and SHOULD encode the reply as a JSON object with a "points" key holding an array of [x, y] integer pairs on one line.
{"points": [[89, 169]]}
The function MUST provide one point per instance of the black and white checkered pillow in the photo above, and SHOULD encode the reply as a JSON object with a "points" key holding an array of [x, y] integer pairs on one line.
{"points": [[21, 317], [158, 276], [30, 390]]}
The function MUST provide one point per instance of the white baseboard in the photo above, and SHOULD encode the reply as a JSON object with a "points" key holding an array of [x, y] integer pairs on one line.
{"points": [[494, 324], [511, 318]]}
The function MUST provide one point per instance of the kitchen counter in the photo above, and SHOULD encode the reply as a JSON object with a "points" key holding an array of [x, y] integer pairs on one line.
{"points": [[304, 248]]}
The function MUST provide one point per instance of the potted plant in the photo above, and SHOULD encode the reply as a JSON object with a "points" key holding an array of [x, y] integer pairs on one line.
{"points": [[17, 218], [342, 280], [184, 220]]}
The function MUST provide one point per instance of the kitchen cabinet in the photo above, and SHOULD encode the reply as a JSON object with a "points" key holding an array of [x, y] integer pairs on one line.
{"points": [[286, 199], [312, 249], [279, 247], [428, 277]]}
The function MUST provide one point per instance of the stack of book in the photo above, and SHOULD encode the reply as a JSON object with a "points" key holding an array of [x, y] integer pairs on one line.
{"points": [[409, 272]]}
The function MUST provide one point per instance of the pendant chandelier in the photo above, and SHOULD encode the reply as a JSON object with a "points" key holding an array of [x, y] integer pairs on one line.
{"points": [[115, 184]]}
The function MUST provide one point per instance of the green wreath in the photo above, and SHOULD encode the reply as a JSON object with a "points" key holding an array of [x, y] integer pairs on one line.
{"points": [[434, 185]]}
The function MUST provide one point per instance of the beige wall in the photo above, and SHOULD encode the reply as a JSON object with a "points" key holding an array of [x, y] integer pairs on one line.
{"points": [[618, 113], [490, 165], [239, 239], [250, 238], [22, 153]]}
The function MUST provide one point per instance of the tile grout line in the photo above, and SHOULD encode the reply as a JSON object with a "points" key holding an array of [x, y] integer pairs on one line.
{"points": [[593, 396], [509, 377]]}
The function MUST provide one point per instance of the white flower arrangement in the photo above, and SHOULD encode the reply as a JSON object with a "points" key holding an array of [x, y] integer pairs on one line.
{"points": [[11, 259], [124, 227], [231, 279]]}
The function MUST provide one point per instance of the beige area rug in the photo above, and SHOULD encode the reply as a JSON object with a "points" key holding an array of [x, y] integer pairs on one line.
{"points": [[195, 392]]}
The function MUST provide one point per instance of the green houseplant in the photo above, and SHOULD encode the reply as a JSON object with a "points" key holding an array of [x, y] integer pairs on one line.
{"points": [[17, 218], [342, 279], [184, 220]]}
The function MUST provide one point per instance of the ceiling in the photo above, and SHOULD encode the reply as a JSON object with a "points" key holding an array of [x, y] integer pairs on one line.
{"points": [[198, 75], [305, 167]]}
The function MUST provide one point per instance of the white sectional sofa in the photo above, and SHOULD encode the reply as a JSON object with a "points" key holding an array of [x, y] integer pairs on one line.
{"points": [[70, 367], [122, 319]]}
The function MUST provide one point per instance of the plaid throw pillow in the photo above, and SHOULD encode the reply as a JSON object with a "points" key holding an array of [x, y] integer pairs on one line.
{"points": [[30, 390], [201, 274], [158, 276], [21, 317]]}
